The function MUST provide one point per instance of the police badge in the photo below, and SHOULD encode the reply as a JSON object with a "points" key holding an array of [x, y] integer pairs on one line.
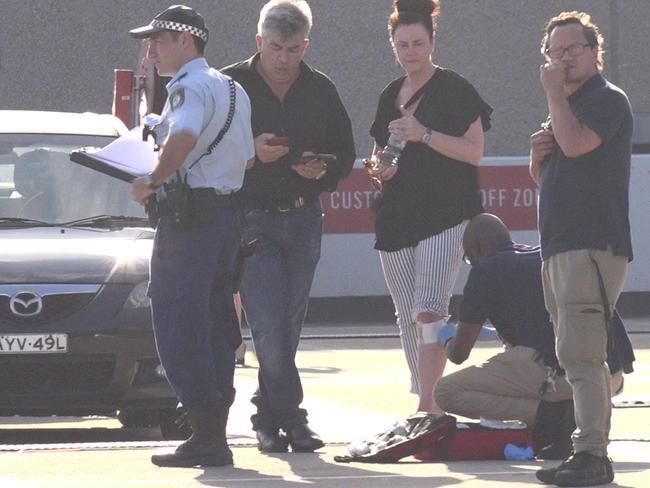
{"points": [[177, 98]]}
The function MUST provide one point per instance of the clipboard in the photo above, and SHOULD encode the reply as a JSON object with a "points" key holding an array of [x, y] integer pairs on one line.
{"points": [[126, 158]]}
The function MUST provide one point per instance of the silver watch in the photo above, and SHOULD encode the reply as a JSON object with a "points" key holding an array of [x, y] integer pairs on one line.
{"points": [[149, 182], [426, 137]]}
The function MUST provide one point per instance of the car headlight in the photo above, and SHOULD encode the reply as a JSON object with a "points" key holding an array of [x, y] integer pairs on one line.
{"points": [[138, 297]]}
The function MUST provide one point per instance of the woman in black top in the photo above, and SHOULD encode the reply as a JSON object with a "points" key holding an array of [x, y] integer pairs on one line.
{"points": [[426, 199]]}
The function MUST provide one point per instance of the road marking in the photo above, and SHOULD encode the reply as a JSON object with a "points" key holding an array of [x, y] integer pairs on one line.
{"points": [[107, 446], [281, 479], [262, 479], [14, 483]]}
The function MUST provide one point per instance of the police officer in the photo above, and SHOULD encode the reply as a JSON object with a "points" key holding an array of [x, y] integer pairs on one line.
{"points": [[196, 238]]}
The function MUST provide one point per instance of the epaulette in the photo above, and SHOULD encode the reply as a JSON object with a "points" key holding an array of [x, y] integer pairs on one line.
{"points": [[179, 79]]}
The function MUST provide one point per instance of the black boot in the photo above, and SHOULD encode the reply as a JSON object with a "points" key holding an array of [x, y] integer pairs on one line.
{"points": [[554, 424], [206, 447], [270, 439], [303, 439]]}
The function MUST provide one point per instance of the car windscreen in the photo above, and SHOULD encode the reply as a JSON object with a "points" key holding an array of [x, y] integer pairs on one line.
{"points": [[38, 181]]}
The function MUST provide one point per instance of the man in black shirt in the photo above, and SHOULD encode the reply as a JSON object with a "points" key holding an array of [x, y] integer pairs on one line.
{"points": [[303, 145], [582, 163]]}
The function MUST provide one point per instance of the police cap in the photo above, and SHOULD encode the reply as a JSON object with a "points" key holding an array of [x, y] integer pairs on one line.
{"points": [[179, 18]]}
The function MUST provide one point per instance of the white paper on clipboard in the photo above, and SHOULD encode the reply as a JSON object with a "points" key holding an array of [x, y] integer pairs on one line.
{"points": [[126, 158]]}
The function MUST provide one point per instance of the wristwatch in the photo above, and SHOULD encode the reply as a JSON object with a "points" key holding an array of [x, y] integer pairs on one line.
{"points": [[149, 182], [426, 137], [323, 171]]}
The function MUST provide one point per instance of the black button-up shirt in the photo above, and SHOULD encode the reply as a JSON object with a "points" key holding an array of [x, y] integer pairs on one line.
{"points": [[312, 116]]}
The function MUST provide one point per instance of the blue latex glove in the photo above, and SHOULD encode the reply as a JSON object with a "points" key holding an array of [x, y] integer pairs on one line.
{"points": [[515, 453], [446, 333]]}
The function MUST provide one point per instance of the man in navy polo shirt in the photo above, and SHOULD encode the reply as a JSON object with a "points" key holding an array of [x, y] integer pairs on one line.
{"points": [[582, 163]]}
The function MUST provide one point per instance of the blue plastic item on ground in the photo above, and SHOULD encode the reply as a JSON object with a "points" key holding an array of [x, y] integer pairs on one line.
{"points": [[516, 453]]}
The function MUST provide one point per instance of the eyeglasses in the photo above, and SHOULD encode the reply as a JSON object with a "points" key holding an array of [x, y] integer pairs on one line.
{"points": [[574, 50]]}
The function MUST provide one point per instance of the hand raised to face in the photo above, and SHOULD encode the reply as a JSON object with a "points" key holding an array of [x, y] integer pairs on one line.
{"points": [[553, 77]]}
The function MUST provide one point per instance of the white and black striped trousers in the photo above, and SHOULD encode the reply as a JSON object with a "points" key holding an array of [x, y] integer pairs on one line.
{"points": [[421, 279]]}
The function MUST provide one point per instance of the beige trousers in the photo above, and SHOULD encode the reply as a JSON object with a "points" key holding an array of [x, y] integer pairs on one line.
{"points": [[573, 299], [506, 387]]}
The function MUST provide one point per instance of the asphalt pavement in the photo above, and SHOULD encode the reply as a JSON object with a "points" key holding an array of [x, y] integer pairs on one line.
{"points": [[356, 385]]}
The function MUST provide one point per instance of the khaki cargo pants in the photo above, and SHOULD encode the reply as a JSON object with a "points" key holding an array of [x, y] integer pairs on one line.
{"points": [[505, 387], [573, 299]]}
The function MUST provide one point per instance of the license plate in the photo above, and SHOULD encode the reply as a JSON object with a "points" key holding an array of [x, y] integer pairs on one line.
{"points": [[33, 343]]}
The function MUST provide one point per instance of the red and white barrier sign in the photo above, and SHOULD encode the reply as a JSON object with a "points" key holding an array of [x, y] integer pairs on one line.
{"points": [[510, 193], [348, 209], [350, 267], [506, 191]]}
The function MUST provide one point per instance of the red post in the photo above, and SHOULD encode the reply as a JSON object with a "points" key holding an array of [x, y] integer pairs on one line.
{"points": [[123, 96]]}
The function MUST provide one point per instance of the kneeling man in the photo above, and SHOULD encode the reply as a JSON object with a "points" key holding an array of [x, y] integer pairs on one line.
{"points": [[525, 381]]}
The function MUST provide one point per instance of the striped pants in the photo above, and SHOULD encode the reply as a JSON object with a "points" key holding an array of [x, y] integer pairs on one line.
{"points": [[421, 279]]}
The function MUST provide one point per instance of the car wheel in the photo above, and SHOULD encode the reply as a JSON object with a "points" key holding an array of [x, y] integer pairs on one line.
{"points": [[134, 419], [172, 430]]}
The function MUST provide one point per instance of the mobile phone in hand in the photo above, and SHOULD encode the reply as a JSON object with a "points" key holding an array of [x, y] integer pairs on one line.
{"points": [[278, 141], [326, 158]]}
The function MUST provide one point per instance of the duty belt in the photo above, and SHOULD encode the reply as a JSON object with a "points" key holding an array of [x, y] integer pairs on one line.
{"points": [[209, 197], [200, 200]]}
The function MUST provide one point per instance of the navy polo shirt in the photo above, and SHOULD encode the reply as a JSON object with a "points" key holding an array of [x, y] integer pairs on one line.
{"points": [[506, 289], [583, 201]]}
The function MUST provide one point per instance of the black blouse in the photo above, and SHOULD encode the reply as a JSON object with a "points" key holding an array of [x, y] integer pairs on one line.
{"points": [[430, 192]]}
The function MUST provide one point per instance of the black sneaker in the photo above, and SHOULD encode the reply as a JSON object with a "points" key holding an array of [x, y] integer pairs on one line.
{"points": [[581, 469], [547, 476], [555, 451]]}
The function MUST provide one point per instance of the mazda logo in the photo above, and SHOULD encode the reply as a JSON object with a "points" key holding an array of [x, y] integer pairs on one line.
{"points": [[26, 304]]}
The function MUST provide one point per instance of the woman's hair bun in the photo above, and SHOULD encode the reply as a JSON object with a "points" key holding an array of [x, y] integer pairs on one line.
{"points": [[423, 7]]}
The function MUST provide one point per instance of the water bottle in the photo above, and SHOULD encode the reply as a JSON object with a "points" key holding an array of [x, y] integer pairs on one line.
{"points": [[392, 152]]}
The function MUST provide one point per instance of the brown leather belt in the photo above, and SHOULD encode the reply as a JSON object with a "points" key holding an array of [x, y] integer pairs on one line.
{"points": [[285, 207]]}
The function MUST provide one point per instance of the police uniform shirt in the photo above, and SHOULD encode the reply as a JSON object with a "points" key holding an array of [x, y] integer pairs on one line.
{"points": [[198, 103]]}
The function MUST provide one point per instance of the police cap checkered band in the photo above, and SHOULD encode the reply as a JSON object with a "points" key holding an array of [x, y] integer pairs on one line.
{"points": [[177, 18], [176, 26]]}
